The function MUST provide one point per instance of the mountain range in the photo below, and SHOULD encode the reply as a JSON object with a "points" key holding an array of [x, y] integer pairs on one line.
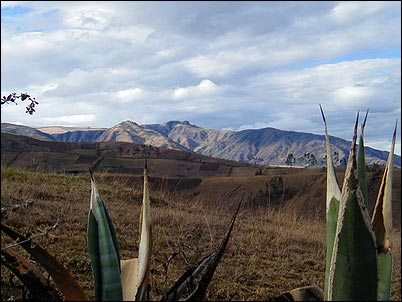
{"points": [[266, 146]]}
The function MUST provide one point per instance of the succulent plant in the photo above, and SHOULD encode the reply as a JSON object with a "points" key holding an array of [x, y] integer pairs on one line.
{"points": [[358, 264]]}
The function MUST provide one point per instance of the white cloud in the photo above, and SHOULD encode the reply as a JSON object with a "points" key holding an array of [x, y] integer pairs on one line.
{"points": [[352, 95], [257, 125], [89, 18], [203, 89], [207, 67], [253, 64], [355, 11], [39, 90], [346, 85], [130, 33], [383, 145], [130, 95], [18, 123], [11, 3], [75, 119], [292, 120]]}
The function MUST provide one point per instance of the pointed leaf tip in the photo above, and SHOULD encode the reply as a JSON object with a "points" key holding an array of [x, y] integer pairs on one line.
{"points": [[365, 119], [91, 174], [394, 135], [322, 114], [357, 122]]}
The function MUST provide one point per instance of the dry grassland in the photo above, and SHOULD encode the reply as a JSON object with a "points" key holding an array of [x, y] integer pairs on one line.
{"points": [[270, 251]]}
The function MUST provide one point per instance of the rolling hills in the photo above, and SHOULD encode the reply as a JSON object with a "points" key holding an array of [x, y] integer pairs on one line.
{"points": [[267, 146], [114, 157], [197, 177]]}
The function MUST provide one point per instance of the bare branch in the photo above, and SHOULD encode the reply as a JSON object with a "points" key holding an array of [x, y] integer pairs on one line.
{"points": [[13, 98]]}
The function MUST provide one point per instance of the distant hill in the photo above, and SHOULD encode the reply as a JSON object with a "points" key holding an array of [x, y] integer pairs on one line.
{"points": [[26, 131], [63, 129], [115, 157], [129, 131], [72, 134], [267, 146]]}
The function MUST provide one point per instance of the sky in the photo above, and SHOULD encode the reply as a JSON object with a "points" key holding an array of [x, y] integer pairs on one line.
{"points": [[220, 65]]}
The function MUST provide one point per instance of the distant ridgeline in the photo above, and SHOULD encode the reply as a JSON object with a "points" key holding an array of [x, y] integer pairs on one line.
{"points": [[267, 146]]}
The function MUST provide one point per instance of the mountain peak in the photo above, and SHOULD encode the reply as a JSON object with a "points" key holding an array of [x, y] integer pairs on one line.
{"points": [[128, 123], [178, 122]]}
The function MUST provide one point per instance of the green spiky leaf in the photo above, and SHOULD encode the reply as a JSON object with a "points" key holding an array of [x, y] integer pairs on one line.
{"points": [[93, 247], [361, 165], [382, 224], [353, 271], [103, 250], [333, 197], [384, 276], [145, 248]]}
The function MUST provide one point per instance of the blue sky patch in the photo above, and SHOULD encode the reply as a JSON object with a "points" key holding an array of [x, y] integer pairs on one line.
{"points": [[15, 11], [50, 13]]}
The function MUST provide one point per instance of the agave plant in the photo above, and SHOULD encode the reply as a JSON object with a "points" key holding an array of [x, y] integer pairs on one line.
{"points": [[359, 264], [116, 279], [128, 280], [358, 257], [103, 250]]}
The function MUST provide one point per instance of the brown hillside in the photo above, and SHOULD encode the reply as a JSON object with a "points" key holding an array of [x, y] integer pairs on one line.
{"points": [[116, 157], [197, 177], [300, 190]]}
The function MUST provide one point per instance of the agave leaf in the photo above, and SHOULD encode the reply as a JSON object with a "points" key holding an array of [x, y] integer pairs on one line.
{"points": [[199, 293], [353, 271], [93, 248], [145, 248], [63, 279], [332, 221], [382, 215], [333, 198], [384, 276], [186, 282], [361, 165], [307, 293], [129, 273], [333, 190], [29, 275], [382, 224], [105, 260]]}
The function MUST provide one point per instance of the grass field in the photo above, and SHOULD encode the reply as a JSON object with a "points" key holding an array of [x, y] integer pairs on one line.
{"points": [[272, 249]]}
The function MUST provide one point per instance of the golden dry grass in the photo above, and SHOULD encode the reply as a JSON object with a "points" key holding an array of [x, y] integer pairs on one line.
{"points": [[270, 251]]}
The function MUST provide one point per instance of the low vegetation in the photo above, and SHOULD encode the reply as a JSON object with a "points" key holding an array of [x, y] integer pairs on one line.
{"points": [[271, 250]]}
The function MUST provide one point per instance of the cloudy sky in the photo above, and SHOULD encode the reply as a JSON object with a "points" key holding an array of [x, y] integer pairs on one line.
{"points": [[219, 65]]}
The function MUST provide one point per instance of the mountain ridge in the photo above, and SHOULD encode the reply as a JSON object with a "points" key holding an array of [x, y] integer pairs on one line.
{"points": [[265, 146]]}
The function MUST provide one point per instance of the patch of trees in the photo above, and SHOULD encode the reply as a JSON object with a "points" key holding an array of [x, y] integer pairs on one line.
{"points": [[272, 194], [309, 159]]}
